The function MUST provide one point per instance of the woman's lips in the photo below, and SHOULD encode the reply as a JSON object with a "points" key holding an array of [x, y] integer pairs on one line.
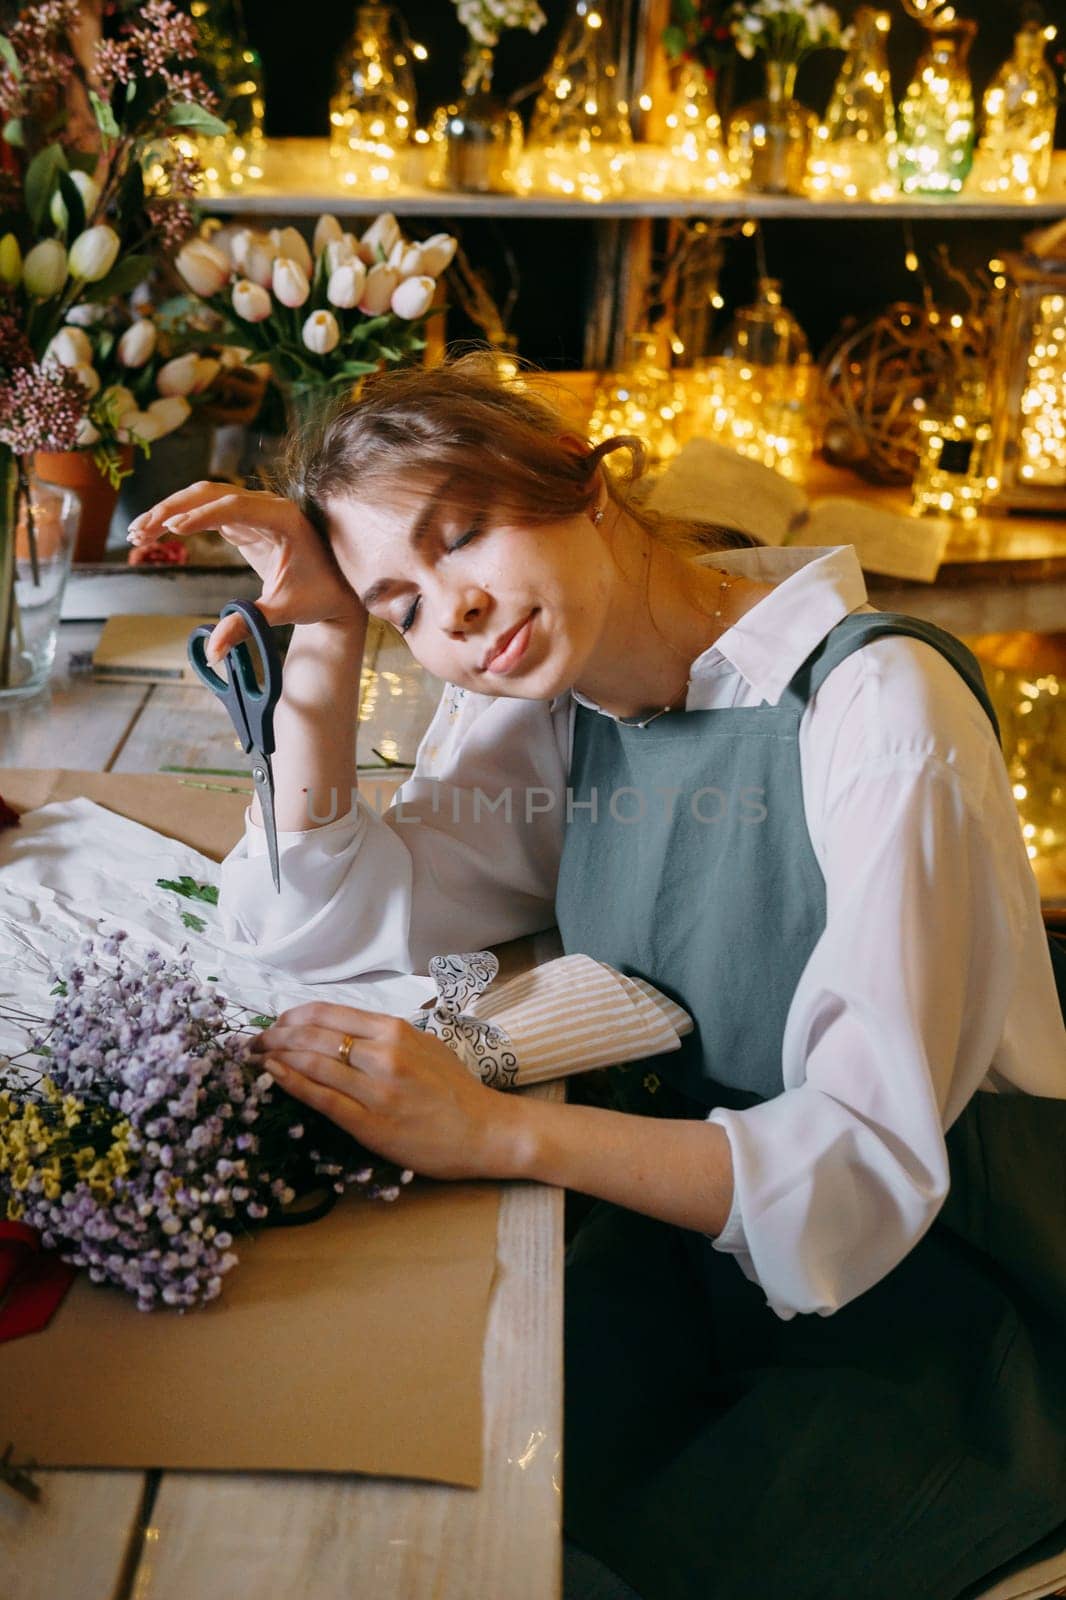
{"points": [[514, 650]]}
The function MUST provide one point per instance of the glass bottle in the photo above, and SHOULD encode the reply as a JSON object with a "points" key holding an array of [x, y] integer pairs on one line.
{"points": [[954, 458], [640, 398], [769, 139], [372, 113], [482, 137], [758, 388], [1019, 110], [854, 153], [696, 160], [936, 115], [580, 141], [233, 70]]}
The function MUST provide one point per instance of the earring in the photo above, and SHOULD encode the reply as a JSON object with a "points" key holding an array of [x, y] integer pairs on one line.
{"points": [[597, 516]]}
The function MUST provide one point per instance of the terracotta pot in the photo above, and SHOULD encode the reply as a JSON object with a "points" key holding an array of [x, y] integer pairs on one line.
{"points": [[76, 469]]}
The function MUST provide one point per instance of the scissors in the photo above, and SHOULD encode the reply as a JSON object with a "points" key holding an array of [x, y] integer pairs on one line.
{"points": [[250, 706]]}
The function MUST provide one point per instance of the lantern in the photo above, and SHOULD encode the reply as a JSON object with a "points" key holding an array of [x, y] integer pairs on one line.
{"points": [[1029, 451]]}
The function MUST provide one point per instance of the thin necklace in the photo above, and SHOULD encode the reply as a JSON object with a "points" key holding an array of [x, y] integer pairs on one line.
{"points": [[627, 722]]}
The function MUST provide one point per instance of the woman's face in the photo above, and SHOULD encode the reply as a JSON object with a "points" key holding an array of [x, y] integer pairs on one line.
{"points": [[463, 589]]}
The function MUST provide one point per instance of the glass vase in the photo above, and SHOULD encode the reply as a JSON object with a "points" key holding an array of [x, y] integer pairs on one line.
{"points": [[955, 449], [1019, 110], [854, 152], [372, 112], [641, 398], [580, 142], [936, 115], [695, 150], [769, 139], [38, 522], [234, 72], [482, 136]]}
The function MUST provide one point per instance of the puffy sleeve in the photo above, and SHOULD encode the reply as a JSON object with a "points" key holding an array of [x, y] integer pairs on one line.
{"points": [[467, 854], [897, 1016]]}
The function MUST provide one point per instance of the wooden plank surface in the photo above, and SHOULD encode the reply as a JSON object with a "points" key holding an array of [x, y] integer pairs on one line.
{"points": [[74, 722], [74, 1542], [214, 1536]]}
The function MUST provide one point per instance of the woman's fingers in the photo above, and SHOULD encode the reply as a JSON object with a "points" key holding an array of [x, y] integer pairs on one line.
{"points": [[344, 1019], [338, 1106], [210, 505], [151, 521], [231, 631]]}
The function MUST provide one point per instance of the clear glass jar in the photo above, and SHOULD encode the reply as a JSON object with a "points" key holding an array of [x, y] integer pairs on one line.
{"points": [[936, 115], [641, 398], [854, 151], [580, 141], [695, 151], [756, 392], [372, 113], [769, 139], [1019, 110], [36, 546], [955, 448]]}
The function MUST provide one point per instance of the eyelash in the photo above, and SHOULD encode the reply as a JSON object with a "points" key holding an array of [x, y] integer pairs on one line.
{"points": [[409, 620]]}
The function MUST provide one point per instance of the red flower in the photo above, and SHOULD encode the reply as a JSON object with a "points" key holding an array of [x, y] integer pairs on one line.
{"points": [[164, 553]]}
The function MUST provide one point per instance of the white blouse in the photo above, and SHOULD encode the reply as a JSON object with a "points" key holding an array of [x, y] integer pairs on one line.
{"points": [[931, 980]]}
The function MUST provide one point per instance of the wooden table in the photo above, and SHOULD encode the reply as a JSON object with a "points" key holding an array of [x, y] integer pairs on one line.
{"points": [[214, 1536]]}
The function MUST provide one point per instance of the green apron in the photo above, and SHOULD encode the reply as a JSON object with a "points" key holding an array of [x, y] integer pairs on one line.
{"points": [[915, 1440]]}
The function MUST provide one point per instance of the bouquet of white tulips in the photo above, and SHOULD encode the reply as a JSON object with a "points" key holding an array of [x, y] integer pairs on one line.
{"points": [[784, 30], [322, 315]]}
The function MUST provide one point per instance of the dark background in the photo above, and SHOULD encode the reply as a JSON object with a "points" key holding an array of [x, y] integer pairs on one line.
{"points": [[829, 269]]}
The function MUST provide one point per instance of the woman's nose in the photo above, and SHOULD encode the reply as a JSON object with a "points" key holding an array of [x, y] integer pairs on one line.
{"points": [[459, 612]]}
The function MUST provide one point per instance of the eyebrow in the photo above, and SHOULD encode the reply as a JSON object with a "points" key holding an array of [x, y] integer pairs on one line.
{"points": [[418, 535]]}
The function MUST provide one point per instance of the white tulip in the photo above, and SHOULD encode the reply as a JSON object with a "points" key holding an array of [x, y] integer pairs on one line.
{"points": [[137, 343], [339, 251], [259, 261], [118, 400], [413, 297], [412, 263], [437, 252], [377, 292], [44, 271], [139, 426], [86, 316], [94, 253], [379, 238], [327, 231], [321, 333], [177, 376], [238, 245], [90, 194], [86, 435], [69, 347], [251, 301], [397, 253], [205, 268], [233, 355], [87, 376], [290, 283], [169, 413], [291, 244], [346, 285]]}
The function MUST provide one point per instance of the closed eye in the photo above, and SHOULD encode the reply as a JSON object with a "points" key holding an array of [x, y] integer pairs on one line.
{"points": [[412, 615]]}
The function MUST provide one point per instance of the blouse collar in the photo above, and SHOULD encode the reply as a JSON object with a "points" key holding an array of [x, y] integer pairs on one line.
{"points": [[814, 589]]}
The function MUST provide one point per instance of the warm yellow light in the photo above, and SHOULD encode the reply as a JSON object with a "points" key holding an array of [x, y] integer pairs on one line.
{"points": [[749, 228], [910, 261]]}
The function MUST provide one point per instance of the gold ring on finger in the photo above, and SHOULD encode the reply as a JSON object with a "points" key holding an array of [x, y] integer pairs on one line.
{"points": [[344, 1048]]}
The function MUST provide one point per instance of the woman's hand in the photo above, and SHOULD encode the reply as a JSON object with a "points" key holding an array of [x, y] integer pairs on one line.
{"points": [[301, 580], [404, 1094]]}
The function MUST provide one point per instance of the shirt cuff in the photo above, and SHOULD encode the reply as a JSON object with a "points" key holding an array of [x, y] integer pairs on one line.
{"points": [[732, 1239], [256, 838]]}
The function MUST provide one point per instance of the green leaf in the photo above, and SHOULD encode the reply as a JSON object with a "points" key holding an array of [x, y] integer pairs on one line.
{"points": [[74, 203], [190, 920], [673, 41], [105, 117], [124, 276], [13, 134], [186, 114], [260, 1021], [190, 888], [9, 58], [41, 176], [60, 988]]}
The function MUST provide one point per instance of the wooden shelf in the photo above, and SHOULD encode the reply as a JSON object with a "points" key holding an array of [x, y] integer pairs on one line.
{"points": [[300, 180]]}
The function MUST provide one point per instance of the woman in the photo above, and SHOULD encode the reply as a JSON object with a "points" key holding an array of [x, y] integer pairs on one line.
{"points": [[727, 773]]}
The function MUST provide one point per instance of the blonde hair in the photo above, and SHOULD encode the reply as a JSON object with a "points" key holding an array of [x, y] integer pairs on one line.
{"points": [[482, 439]]}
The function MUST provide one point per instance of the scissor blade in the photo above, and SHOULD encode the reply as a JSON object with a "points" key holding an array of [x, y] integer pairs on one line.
{"points": [[263, 778]]}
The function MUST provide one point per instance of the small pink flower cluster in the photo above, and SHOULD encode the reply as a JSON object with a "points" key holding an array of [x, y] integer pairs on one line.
{"points": [[40, 409], [35, 38], [156, 46]]}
